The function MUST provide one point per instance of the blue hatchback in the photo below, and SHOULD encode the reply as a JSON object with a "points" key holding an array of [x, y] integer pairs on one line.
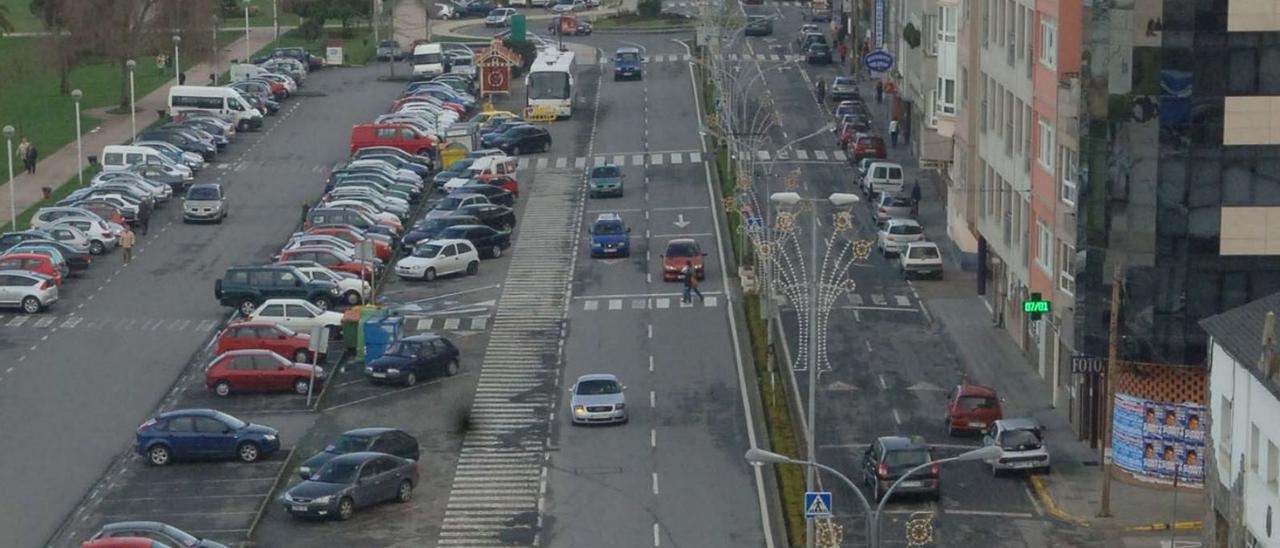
{"points": [[626, 64], [203, 434], [610, 236]]}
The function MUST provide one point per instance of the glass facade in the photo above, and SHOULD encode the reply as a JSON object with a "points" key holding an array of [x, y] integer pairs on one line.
{"points": [[1155, 173]]}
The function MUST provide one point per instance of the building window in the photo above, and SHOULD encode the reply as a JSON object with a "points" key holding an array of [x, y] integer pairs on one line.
{"points": [[946, 24], [931, 115], [1049, 42], [928, 35], [1070, 175], [1222, 436], [1022, 36], [1044, 248], [1026, 142], [1066, 268], [1273, 465], [1046, 146], [946, 96], [960, 88], [1255, 439]]}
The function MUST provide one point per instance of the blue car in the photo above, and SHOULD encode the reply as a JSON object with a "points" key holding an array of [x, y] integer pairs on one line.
{"points": [[610, 236], [203, 434], [626, 64]]}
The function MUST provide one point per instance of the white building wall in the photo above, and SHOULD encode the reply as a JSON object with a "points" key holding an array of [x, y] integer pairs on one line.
{"points": [[1251, 407]]}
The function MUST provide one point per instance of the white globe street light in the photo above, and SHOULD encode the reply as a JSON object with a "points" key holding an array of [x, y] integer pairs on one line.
{"points": [[133, 108], [76, 94], [177, 64], [8, 147]]}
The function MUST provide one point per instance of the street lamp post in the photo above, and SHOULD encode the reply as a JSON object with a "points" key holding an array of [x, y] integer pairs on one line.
{"points": [[275, 18], [837, 199], [8, 147], [247, 52], [177, 62], [133, 108], [760, 456], [76, 94]]}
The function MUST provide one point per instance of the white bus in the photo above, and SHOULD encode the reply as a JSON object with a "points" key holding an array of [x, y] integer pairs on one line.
{"points": [[552, 83], [220, 100]]}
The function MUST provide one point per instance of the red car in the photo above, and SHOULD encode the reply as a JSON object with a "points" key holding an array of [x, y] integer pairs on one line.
{"points": [[265, 336], [972, 408], [867, 146], [680, 252], [124, 542], [330, 258], [381, 248], [505, 182], [402, 136], [258, 371], [107, 211], [33, 262]]}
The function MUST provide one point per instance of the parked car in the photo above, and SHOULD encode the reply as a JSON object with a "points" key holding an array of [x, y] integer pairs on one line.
{"points": [[610, 236], [297, 314], [204, 202], [154, 530], [355, 236], [439, 258], [818, 54], [499, 17], [889, 457], [485, 239], [389, 50], [429, 229], [758, 25], [455, 170], [893, 206], [524, 138], [867, 146], [605, 180], [410, 359], [352, 481], [123, 542], [351, 288], [32, 262], [72, 237], [883, 177], [333, 259], [492, 189], [265, 335], [598, 398], [895, 234], [245, 287], [1022, 444], [450, 204], [378, 440], [203, 434], [77, 258], [568, 6], [496, 216], [101, 234], [843, 87], [920, 259], [30, 291], [680, 253], [972, 408], [259, 371]]}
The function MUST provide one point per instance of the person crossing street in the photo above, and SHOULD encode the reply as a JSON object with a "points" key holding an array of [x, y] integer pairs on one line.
{"points": [[690, 276]]}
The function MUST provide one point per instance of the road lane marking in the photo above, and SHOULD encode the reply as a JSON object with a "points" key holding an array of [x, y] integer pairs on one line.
{"points": [[653, 433], [655, 483], [615, 304], [653, 399], [897, 419], [657, 536], [651, 364], [649, 328], [989, 513], [883, 385]]}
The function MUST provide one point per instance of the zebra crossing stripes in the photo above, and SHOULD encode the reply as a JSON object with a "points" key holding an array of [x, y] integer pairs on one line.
{"points": [[71, 321], [655, 303], [624, 159], [474, 323], [685, 58], [802, 155], [881, 300], [497, 485]]}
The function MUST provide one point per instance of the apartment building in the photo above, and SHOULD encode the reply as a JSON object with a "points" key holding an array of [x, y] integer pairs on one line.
{"points": [[929, 88]]}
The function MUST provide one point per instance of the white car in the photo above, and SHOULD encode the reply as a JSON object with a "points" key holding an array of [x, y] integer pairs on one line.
{"points": [[102, 235], [920, 259], [539, 3], [1022, 442], [352, 290], [438, 258], [296, 314], [896, 234], [499, 17]]}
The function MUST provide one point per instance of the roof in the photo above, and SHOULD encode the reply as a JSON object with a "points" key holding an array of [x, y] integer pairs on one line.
{"points": [[598, 377], [977, 390], [1019, 424], [368, 431], [1239, 331], [628, 49]]}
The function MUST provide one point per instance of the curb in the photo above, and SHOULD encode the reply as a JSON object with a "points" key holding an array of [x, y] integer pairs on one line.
{"points": [[1178, 525], [669, 30], [1046, 499], [271, 495]]}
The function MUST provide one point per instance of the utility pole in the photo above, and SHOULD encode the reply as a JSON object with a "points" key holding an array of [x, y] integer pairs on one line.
{"points": [[1113, 336], [426, 12], [391, 35], [377, 12]]}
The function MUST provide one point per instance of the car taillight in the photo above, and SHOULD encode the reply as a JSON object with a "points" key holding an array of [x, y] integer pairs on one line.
{"points": [[44, 284], [882, 470], [933, 469], [892, 239], [882, 210]]}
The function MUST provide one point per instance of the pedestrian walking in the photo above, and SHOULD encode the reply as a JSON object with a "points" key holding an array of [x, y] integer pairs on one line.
{"points": [[893, 133], [182, 78], [915, 199], [33, 155], [691, 285], [161, 63], [822, 91], [144, 223], [24, 149], [879, 91], [127, 239], [844, 50]]}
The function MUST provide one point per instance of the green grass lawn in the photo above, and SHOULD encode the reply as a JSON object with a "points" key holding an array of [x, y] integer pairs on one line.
{"points": [[259, 16], [29, 99], [630, 21], [359, 46], [20, 15]]}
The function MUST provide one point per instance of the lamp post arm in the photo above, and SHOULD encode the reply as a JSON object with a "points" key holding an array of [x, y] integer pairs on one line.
{"points": [[866, 504], [889, 492]]}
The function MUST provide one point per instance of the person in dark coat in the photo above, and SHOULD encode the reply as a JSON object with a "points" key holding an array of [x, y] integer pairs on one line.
{"points": [[915, 198]]}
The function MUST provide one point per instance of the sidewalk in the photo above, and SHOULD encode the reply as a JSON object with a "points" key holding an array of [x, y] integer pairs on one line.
{"points": [[60, 166], [1072, 492]]}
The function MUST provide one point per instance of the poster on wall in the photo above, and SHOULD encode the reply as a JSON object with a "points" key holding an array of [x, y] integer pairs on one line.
{"points": [[1155, 440]]}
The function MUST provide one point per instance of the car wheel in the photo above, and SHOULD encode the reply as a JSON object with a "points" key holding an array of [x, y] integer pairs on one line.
{"points": [[411, 379], [96, 247], [429, 274], [495, 252], [30, 305], [247, 306], [222, 388], [405, 492], [248, 452], [451, 368], [515, 150], [158, 455], [301, 356], [346, 509], [352, 298], [302, 386], [473, 267], [322, 302]]}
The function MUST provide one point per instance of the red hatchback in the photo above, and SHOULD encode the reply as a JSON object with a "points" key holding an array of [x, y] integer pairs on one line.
{"points": [[867, 146], [33, 262], [972, 408], [505, 182], [329, 258], [265, 336], [258, 371]]}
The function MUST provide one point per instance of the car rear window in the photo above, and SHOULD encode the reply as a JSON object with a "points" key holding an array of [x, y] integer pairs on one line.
{"points": [[605, 171], [924, 252], [844, 81], [905, 229], [976, 402], [202, 193], [608, 227], [907, 457]]}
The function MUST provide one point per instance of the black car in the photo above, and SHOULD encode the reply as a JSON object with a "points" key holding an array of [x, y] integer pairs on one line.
{"points": [[886, 460], [10, 239], [457, 169], [495, 216], [205, 150], [818, 54], [379, 440], [313, 62], [429, 228], [350, 481], [478, 8], [411, 358], [526, 138], [758, 25], [483, 237], [496, 194], [491, 133]]}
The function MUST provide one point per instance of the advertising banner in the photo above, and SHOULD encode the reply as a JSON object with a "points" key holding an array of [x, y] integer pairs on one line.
{"points": [[1155, 440], [879, 25]]}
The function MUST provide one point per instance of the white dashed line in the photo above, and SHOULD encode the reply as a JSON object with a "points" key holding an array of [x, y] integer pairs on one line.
{"points": [[653, 398], [655, 483], [897, 419]]}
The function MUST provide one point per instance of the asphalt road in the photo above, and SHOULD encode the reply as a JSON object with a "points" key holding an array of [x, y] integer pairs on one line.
{"points": [[75, 391]]}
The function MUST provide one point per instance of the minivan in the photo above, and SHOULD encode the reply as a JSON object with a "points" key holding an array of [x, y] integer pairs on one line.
{"points": [[882, 177], [245, 287], [428, 60], [626, 64], [219, 100], [204, 202], [122, 157], [399, 135]]}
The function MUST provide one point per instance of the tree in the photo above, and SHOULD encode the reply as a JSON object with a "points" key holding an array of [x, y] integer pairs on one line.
{"points": [[649, 8], [61, 48], [314, 13], [5, 24]]}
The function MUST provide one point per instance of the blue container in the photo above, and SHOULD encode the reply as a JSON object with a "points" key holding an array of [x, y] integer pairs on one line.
{"points": [[379, 332]]}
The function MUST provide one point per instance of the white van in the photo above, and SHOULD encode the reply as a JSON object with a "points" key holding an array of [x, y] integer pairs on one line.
{"points": [[882, 177], [218, 100], [244, 71], [122, 157], [428, 60]]}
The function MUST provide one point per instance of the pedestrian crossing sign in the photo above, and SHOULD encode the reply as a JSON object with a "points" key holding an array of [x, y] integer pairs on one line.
{"points": [[817, 504]]}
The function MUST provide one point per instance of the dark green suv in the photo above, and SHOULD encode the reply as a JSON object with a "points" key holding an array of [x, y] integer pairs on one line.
{"points": [[246, 287]]}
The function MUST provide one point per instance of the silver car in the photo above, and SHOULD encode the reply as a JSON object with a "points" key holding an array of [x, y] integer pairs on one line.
{"points": [[1023, 443], [896, 234], [204, 202], [893, 206], [598, 398], [101, 234], [30, 291]]}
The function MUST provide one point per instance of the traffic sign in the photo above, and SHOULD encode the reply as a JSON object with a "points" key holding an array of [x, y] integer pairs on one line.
{"points": [[878, 61], [817, 504]]}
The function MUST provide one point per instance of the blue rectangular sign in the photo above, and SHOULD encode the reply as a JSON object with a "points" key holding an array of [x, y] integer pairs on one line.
{"points": [[817, 504]]}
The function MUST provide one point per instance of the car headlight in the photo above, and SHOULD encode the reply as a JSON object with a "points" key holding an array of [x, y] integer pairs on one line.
{"points": [[670, 268], [368, 369], [333, 290], [323, 500], [269, 437], [304, 470], [620, 407], [393, 371], [579, 410]]}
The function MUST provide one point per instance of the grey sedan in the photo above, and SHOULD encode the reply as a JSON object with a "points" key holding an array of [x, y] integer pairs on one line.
{"points": [[598, 398], [893, 206], [351, 481]]}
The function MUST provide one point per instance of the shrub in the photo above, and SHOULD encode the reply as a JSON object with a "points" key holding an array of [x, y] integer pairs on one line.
{"points": [[649, 8], [525, 48]]}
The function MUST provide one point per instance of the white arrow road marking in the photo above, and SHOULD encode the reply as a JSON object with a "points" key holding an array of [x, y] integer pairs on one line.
{"points": [[680, 222]]}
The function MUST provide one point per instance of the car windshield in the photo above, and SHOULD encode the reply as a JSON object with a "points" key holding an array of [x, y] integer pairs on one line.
{"points": [[924, 252], [976, 402], [337, 471], [608, 227], [682, 250], [548, 85], [461, 166], [1019, 440], [909, 457], [605, 171], [229, 420], [497, 13], [628, 57], [843, 81], [449, 203], [403, 348], [426, 59], [598, 387], [202, 193], [426, 251], [905, 229], [349, 444]]}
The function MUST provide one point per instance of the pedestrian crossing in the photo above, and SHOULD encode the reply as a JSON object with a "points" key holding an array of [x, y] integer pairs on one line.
{"points": [[802, 155], [423, 323], [685, 58], [638, 159], [646, 303], [74, 321], [875, 300]]}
